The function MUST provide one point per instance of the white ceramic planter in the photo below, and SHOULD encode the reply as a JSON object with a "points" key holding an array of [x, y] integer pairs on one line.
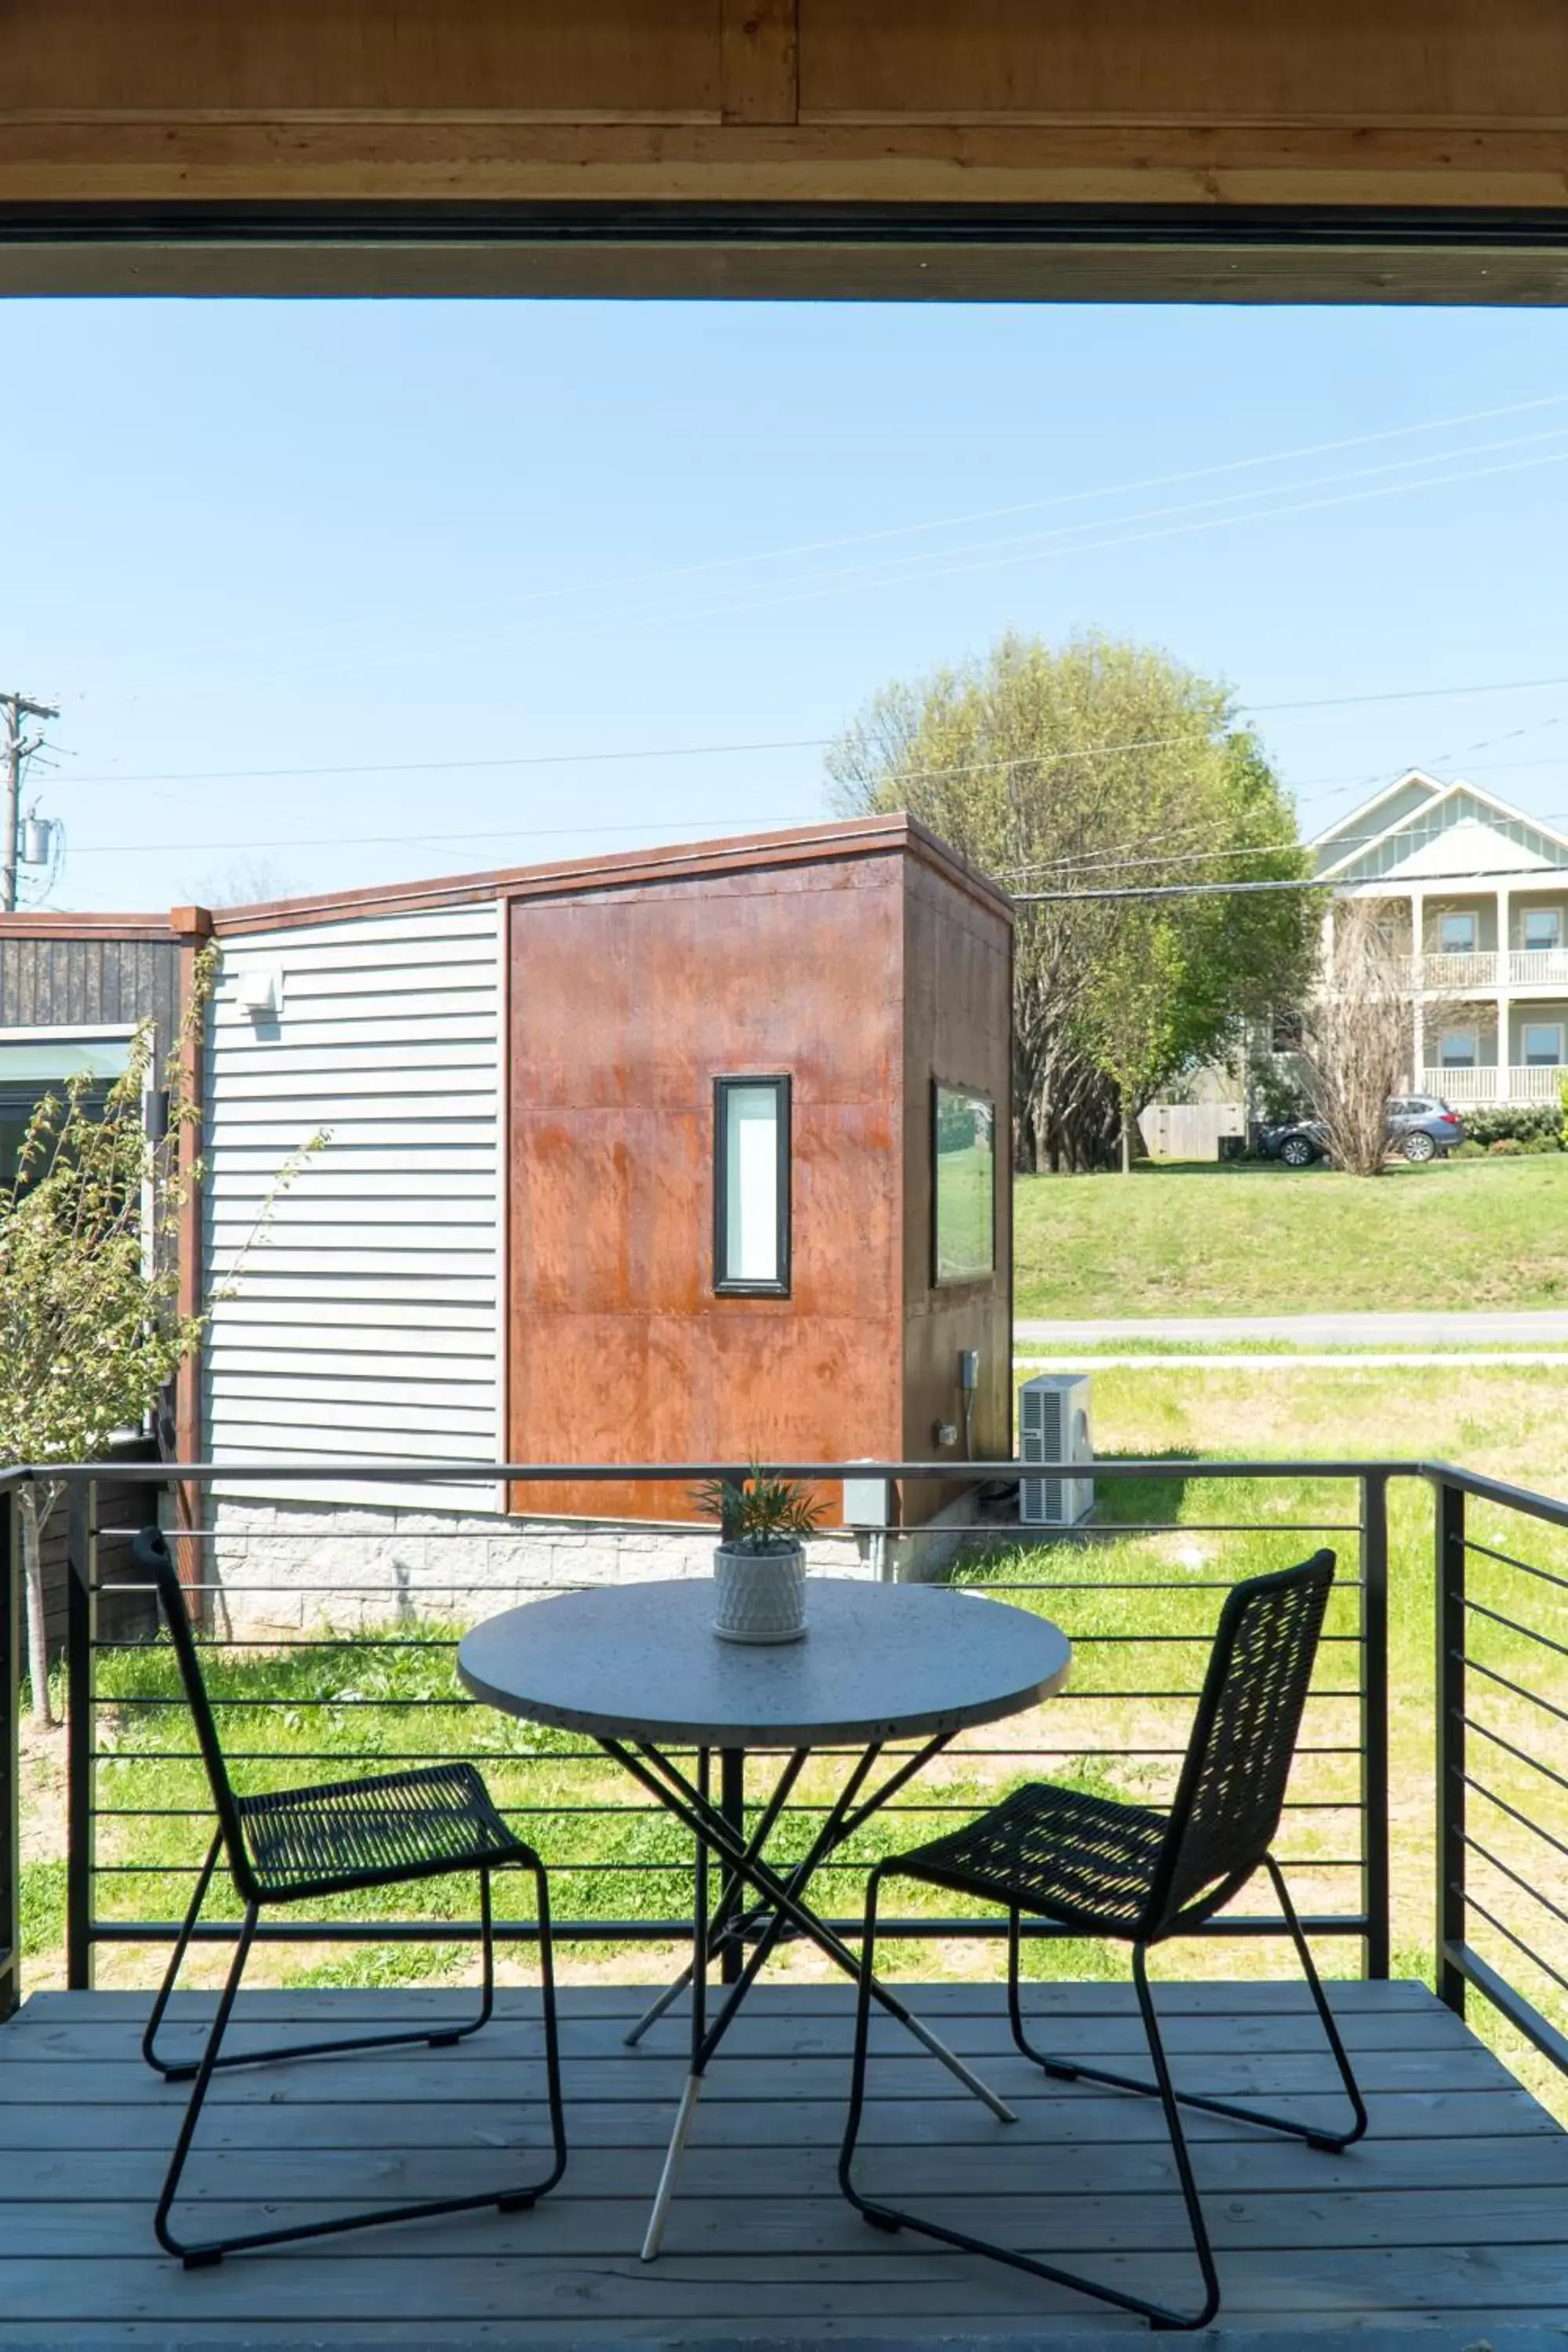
{"points": [[759, 1596]]}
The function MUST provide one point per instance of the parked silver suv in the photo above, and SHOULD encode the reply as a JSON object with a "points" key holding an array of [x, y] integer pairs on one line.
{"points": [[1420, 1126]]}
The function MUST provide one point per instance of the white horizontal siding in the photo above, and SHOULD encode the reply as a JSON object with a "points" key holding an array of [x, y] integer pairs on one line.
{"points": [[368, 1315], [272, 1132], [251, 1322]]}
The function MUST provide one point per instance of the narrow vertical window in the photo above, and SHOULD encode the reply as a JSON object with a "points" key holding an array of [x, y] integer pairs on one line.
{"points": [[750, 1185], [963, 1184]]}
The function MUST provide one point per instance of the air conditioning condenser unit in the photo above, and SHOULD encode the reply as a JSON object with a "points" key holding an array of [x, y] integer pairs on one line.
{"points": [[1054, 1426]]}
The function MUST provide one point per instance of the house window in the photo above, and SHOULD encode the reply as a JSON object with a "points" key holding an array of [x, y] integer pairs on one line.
{"points": [[1458, 1050], [750, 1186], [38, 1064], [1543, 927], [963, 1186], [1456, 933], [1542, 1042]]}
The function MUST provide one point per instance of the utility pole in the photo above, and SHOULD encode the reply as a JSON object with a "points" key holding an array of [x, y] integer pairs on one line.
{"points": [[17, 708]]}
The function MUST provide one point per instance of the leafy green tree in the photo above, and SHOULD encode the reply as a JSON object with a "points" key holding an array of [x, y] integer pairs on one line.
{"points": [[1099, 765], [92, 1328]]}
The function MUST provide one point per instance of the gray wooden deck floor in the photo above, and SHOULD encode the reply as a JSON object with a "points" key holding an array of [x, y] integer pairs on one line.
{"points": [[1454, 2211]]}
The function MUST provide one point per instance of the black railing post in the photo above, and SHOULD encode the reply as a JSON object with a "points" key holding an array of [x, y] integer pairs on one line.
{"points": [[732, 1805], [10, 1754], [1376, 1902], [1450, 1730], [82, 1644]]}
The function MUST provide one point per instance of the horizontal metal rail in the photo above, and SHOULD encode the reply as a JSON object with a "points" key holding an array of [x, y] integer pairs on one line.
{"points": [[1341, 1924], [1487, 1645], [338, 1725], [1488, 1654]]}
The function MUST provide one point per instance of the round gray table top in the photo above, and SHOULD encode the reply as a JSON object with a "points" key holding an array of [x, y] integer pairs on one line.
{"points": [[877, 1661]]}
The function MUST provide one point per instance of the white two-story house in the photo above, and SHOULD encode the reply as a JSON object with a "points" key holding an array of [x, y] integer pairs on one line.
{"points": [[1479, 894]]}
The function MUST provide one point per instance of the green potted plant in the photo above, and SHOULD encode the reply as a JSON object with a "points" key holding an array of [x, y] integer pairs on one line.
{"points": [[759, 1566]]}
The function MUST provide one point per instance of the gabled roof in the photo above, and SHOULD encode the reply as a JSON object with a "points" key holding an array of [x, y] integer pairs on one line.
{"points": [[1364, 821], [1446, 829]]}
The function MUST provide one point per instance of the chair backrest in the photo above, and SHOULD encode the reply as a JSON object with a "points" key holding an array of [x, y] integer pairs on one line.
{"points": [[1232, 1787], [150, 1551]]}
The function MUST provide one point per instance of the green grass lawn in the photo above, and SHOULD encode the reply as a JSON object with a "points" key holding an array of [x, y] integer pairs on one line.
{"points": [[1260, 1240]]}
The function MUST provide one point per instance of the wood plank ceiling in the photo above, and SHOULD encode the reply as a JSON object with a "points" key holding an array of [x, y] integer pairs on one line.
{"points": [[1381, 147]]}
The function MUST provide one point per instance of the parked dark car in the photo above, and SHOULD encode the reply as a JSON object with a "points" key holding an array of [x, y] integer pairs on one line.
{"points": [[1420, 1126]]}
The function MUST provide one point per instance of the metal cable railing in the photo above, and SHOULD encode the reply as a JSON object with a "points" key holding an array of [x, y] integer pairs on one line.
{"points": [[1502, 1755], [343, 1691]]}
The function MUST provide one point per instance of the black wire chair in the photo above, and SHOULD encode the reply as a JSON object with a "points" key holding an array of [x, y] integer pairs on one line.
{"points": [[1140, 1874], [298, 1844]]}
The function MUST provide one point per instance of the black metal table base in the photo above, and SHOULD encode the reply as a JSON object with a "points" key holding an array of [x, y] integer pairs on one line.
{"points": [[757, 1906]]}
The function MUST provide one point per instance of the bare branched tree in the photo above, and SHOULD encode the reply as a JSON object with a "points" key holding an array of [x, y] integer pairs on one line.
{"points": [[1356, 1036]]}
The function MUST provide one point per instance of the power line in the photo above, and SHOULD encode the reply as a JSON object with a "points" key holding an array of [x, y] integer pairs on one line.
{"points": [[1117, 491], [558, 592], [814, 744], [1194, 890], [842, 582], [1114, 861], [432, 767]]}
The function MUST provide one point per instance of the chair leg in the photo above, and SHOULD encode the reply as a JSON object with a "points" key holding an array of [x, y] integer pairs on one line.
{"points": [[1068, 2071], [184, 2070], [1172, 2106], [1330, 2028], [892, 2217], [193, 2256], [213, 2249], [517, 2200], [178, 2074]]}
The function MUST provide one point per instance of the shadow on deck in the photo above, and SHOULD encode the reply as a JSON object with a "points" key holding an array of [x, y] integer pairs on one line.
{"points": [[1453, 2213]]}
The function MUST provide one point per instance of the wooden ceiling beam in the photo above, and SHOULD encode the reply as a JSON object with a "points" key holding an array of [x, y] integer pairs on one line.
{"points": [[462, 145]]}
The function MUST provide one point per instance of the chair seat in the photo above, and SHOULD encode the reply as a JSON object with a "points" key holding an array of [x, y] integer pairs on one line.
{"points": [[1084, 1861], [350, 1834]]}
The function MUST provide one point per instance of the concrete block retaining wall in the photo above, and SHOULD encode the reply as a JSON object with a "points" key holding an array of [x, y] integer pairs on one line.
{"points": [[285, 1567]]}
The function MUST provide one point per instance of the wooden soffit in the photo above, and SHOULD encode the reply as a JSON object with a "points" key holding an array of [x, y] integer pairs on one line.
{"points": [[1284, 149]]}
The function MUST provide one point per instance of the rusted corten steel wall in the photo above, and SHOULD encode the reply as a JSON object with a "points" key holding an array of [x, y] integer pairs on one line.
{"points": [[861, 973], [958, 1027]]}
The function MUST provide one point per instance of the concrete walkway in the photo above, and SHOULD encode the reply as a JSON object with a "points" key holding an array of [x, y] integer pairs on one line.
{"points": [[1540, 1327]]}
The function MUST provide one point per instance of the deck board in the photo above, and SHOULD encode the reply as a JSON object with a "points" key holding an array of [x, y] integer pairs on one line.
{"points": [[1453, 2210]]}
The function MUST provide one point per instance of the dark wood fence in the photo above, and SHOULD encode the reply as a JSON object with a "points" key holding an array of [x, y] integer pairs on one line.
{"points": [[122, 1616]]}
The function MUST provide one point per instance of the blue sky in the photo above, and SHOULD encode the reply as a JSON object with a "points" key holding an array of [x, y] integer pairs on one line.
{"points": [[396, 537]]}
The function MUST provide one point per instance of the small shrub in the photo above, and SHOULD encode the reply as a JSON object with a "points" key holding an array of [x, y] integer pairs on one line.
{"points": [[1515, 1123], [1468, 1149], [1507, 1147]]}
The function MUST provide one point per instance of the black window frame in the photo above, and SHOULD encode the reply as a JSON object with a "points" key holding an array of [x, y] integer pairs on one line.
{"points": [[939, 1281], [735, 1287]]}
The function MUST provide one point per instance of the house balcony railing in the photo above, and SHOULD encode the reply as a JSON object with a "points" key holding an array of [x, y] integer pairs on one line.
{"points": [[343, 1699], [1471, 1759], [1489, 968], [327, 1698], [1481, 967], [1539, 967], [1518, 1083]]}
